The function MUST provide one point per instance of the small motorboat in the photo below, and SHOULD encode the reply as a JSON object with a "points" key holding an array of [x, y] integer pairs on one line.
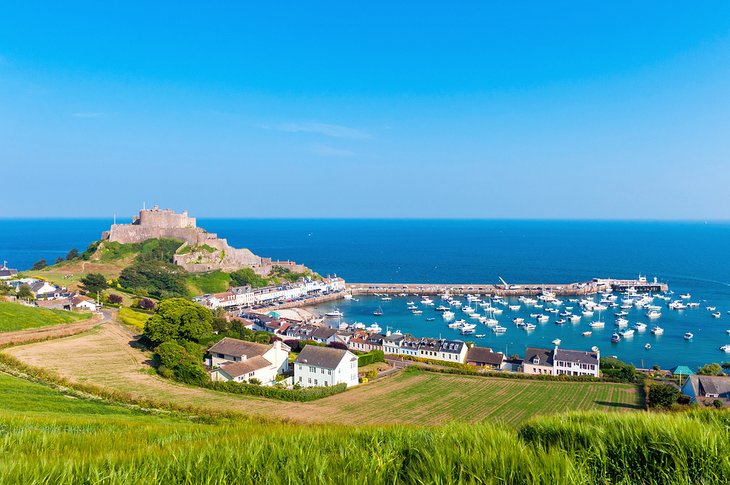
{"points": [[514, 308], [587, 333], [574, 318], [688, 336], [597, 324], [716, 314], [726, 348], [334, 314], [417, 312], [529, 326], [639, 327], [560, 321], [556, 341], [480, 335], [622, 322], [647, 346], [518, 320], [711, 308], [467, 331], [653, 314], [657, 330], [615, 338], [594, 348], [499, 329], [430, 319], [542, 318], [447, 315], [627, 333], [442, 308], [686, 296]]}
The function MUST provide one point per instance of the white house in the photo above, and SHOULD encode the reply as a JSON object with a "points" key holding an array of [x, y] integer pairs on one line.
{"points": [[81, 302], [42, 289], [561, 362], [237, 360], [325, 366], [452, 351]]}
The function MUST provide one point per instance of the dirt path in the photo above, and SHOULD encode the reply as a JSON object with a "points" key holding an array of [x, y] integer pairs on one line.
{"points": [[53, 331]]}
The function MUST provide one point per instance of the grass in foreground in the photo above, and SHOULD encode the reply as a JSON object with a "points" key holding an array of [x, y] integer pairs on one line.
{"points": [[14, 316], [94, 442]]}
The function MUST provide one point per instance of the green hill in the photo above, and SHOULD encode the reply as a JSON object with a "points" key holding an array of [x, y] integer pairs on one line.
{"points": [[85, 440], [147, 269], [14, 316]]}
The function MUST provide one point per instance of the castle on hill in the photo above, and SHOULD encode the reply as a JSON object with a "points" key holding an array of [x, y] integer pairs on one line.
{"points": [[201, 250]]}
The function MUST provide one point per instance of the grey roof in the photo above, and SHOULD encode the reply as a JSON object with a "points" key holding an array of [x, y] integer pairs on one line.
{"points": [[235, 369], [483, 355], [545, 356], [576, 356], [393, 339], [323, 333], [239, 348], [705, 385], [325, 357], [38, 285], [7, 272], [452, 346]]}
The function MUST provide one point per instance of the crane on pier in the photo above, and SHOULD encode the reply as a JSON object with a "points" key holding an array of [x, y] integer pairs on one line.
{"points": [[507, 286]]}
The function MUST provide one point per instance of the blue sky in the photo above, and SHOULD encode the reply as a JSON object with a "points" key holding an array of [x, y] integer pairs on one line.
{"points": [[367, 109]]}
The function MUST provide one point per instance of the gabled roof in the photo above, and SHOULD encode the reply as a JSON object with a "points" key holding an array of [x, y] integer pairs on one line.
{"points": [[483, 355], [545, 356], [323, 333], [324, 357], [704, 385], [235, 369], [239, 348], [682, 370]]}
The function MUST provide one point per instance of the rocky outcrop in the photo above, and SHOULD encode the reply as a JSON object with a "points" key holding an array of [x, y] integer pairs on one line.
{"points": [[202, 251]]}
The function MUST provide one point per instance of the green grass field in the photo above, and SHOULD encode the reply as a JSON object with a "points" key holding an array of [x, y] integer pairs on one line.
{"points": [[19, 317], [417, 396], [49, 437], [213, 282]]}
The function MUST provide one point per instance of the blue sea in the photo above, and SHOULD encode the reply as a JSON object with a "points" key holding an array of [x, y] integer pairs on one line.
{"points": [[690, 256]]}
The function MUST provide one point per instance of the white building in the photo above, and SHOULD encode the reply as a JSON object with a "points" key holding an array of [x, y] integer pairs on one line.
{"points": [[325, 366], [561, 362], [81, 302], [237, 360]]}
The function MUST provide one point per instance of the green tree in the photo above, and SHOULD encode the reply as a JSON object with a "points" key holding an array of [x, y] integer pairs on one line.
{"points": [[94, 282], [40, 264], [6, 289], [115, 299], [59, 260], [662, 395], [711, 370], [178, 319], [25, 293], [72, 254], [248, 277]]}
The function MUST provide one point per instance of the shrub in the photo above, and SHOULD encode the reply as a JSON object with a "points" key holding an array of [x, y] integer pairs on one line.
{"points": [[717, 403], [115, 299], [662, 395], [296, 394], [40, 264], [710, 370], [370, 358]]}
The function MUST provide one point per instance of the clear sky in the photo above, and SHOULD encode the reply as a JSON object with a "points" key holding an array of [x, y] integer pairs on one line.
{"points": [[366, 109]]}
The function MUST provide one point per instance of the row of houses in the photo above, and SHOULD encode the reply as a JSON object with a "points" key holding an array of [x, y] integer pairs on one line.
{"points": [[48, 295], [247, 297], [554, 361]]}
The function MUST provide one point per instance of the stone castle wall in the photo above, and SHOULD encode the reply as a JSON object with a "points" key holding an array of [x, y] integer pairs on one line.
{"points": [[157, 224]]}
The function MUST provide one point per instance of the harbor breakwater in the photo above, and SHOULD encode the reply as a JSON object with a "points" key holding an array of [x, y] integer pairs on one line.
{"points": [[566, 289]]}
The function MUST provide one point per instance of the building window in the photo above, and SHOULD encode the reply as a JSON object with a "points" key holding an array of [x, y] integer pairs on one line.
{"points": [[329, 372], [309, 380], [315, 382], [312, 369]]}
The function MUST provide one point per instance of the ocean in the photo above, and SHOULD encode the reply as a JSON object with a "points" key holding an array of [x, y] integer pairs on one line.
{"points": [[689, 256]]}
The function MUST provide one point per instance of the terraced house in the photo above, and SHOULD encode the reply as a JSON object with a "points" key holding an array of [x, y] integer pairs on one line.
{"points": [[558, 361]]}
